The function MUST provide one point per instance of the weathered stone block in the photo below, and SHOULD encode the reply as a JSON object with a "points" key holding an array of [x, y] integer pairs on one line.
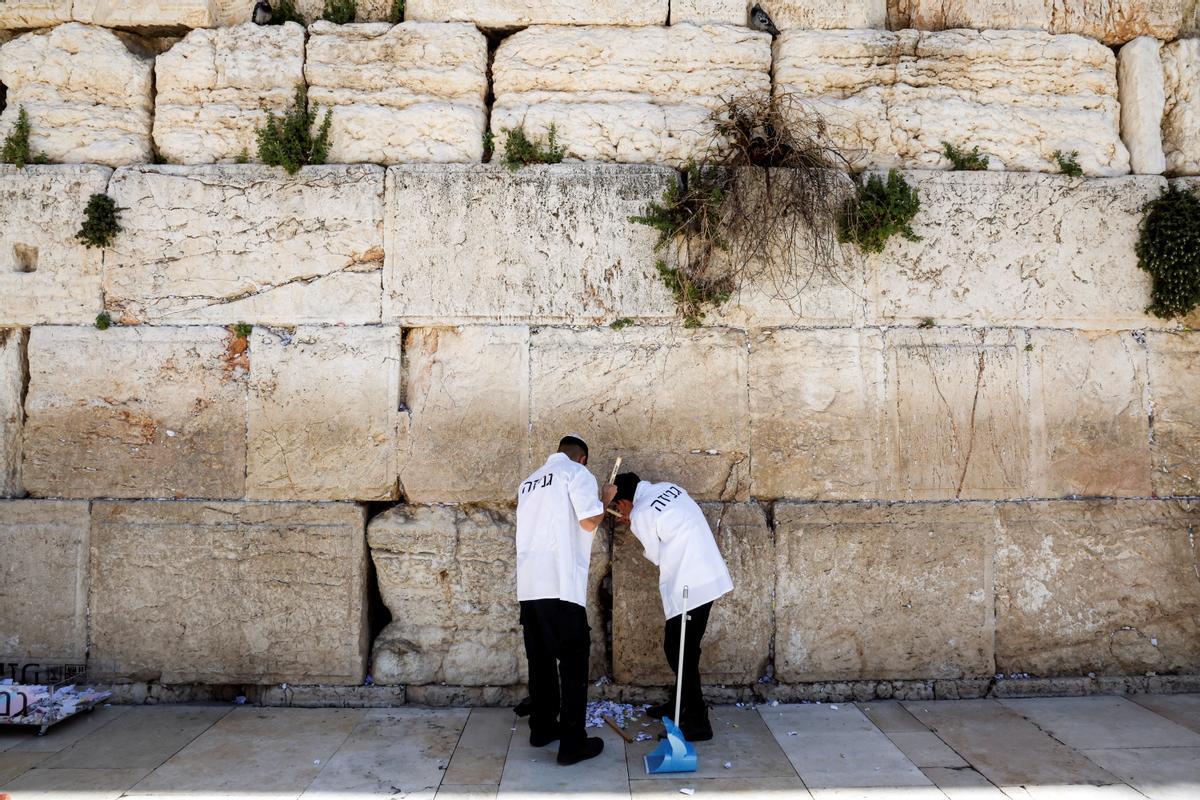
{"points": [[452, 375], [13, 374], [807, 14], [520, 13], [409, 92], [1110, 21], [191, 592], [543, 244], [323, 414], [1013, 249], [1097, 586], [43, 579], [235, 243], [235, 12], [641, 95], [1140, 79], [1181, 115], [1174, 367], [738, 641], [19, 14], [630, 392], [158, 14], [895, 96], [89, 98], [883, 591], [134, 412], [215, 87], [46, 274]]}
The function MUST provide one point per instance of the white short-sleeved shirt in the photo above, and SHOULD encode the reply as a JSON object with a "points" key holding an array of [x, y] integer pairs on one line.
{"points": [[676, 537], [553, 551]]}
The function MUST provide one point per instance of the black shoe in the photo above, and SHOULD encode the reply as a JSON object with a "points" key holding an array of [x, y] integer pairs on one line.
{"points": [[523, 708], [590, 748], [701, 732], [661, 710], [543, 738]]}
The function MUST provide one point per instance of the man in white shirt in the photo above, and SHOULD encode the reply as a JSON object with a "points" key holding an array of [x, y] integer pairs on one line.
{"points": [[558, 510], [676, 537]]}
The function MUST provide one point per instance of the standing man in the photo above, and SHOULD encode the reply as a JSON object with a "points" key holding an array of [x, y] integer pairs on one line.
{"points": [[558, 509], [676, 537]]}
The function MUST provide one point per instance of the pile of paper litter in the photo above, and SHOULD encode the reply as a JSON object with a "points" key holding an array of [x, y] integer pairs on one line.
{"points": [[34, 704], [621, 713]]}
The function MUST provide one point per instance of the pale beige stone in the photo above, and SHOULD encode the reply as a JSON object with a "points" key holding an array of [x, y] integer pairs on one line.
{"points": [[214, 89], [192, 592], [134, 412], [323, 413], [1181, 116], [672, 402], [233, 243], [808, 14], [1018, 249], [520, 13], [873, 591], [412, 92], [46, 274], [147, 13], [458, 382], [19, 14], [737, 644], [1174, 371], [1110, 21], [638, 95], [88, 96], [1191, 19], [43, 579], [1097, 586], [13, 375], [892, 98], [1143, 98]]}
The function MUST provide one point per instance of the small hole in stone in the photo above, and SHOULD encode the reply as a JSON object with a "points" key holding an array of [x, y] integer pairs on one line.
{"points": [[25, 257]]}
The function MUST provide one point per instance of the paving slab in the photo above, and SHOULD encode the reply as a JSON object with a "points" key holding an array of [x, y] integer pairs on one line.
{"points": [[392, 752], [1160, 773], [14, 764], [530, 773], [837, 747], [926, 749], [891, 717], [479, 758], [1004, 747], [67, 732], [1089, 723], [254, 751], [740, 738], [467, 792], [879, 793], [963, 784], [1182, 709], [145, 736], [766, 788], [72, 784], [1038, 792]]}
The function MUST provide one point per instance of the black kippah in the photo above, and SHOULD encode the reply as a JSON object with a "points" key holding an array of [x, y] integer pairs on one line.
{"points": [[626, 484]]}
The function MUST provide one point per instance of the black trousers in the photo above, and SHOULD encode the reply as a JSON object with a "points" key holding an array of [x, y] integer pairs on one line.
{"points": [[693, 711], [557, 645]]}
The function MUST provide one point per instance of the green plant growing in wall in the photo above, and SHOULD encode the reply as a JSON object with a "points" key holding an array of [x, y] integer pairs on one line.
{"points": [[1068, 163], [243, 157], [103, 320], [242, 330], [340, 12], [961, 160], [16, 145], [489, 145], [288, 141], [926, 323], [1168, 248], [396, 15], [879, 211], [101, 221], [520, 150], [285, 11], [620, 324]]}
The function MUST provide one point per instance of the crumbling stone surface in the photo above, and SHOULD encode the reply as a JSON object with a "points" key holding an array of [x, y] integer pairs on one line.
{"points": [[1181, 115], [148, 13], [1097, 586], [405, 93], [88, 95], [13, 373], [806, 14], [521, 13], [215, 87], [322, 413], [640, 95], [236, 12], [43, 579], [1143, 99], [1174, 367], [229, 592], [135, 412], [892, 98], [247, 244], [19, 14]]}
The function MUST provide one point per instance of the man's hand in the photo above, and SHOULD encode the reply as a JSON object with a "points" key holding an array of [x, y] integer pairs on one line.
{"points": [[608, 493]]}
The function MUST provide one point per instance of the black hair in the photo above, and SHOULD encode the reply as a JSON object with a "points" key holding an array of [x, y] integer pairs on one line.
{"points": [[626, 484], [568, 443]]}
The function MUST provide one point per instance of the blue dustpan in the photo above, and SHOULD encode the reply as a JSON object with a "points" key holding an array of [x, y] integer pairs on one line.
{"points": [[673, 754]]}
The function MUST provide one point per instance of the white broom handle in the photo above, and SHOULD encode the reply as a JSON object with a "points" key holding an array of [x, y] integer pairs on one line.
{"points": [[679, 674]]}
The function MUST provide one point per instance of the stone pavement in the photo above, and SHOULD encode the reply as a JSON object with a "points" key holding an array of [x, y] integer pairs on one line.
{"points": [[1145, 746]]}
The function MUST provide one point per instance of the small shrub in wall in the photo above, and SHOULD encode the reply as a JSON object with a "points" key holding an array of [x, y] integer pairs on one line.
{"points": [[101, 221], [1068, 163], [396, 15], [879, 211], [288, 141], [103, 320], [339, 12], [1169, 249], [961, 160], [16, 144], [285, 11], [520, 150]]}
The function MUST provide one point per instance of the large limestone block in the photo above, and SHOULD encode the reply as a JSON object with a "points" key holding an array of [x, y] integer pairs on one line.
{"points": [[1191, 18], [737, 644], [1181, 116], [20, 14], [43, 579], [46, 274], [808, 14], [13, 375], [1110, 21], [1097, 586], [543, 244], [1018, 249], [409, 92], [458, 382], [234, 243], [152, 14], [215, 87], [673, 403], [520, 13], [1174, 369], [134, 412], [323, 413], [872, 591], [89, 98], [892, 98], [1143, 98], [641, 95], [235, 12], [190, 592]]}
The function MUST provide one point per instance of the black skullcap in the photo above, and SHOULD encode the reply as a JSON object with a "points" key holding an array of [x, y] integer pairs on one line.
{"points": [[626, 484]]}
